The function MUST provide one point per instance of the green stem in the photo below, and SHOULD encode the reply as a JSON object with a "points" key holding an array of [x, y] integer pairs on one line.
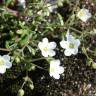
{"points": [[84, 51], [23, 84], [34, 60], [75, 30], [39, 67]]}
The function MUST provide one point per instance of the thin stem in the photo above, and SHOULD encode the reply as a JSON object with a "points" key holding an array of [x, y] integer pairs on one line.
{"points": [[39, 67], [21, 87], [34, 60], [23, 84], [75, 30], [31, 62], [3, 49], [85, 52]]}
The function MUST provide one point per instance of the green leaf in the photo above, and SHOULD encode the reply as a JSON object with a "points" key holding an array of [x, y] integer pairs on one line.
{"points": [[30, 67], [7, 45], [61, 19]]}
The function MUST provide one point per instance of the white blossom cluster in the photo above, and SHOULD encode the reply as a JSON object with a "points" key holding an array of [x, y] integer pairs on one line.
{"points": [[70, 45], [47, 49]]}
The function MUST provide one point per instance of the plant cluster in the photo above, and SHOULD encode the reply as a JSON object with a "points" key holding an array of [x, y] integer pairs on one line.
{"points": [[58, 23]]}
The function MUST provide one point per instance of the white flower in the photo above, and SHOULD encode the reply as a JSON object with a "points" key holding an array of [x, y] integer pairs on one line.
{"points": [[56, 69], [22, 3], [84, 14], [71, 45], [5, 63], [47, 47]]}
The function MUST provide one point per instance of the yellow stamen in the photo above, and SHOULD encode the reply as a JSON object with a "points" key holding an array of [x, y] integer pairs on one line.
{"points": [[45, 49], [1, 61], [82, 13], [71, 45], [52, 69]]}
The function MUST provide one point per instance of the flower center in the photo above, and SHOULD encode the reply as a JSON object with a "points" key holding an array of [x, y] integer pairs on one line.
{"points": [[52, 69], [1, 61], [82, 13], [71, 45], [45, 49]]}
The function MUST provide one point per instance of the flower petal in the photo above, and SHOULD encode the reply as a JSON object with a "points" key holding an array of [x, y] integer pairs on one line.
{"points": [[77, 42], [69, 37], [64, 44], [84, 19], [45, 54], [51, 74], [6, 57], [45, 40], [55, 63], [40, 45], [88, 14], [52, 45], [8, 65], [56, 76], [43, 44], [2, 69], [61, 70], [51, 53], [67, 52], [75, 51]]}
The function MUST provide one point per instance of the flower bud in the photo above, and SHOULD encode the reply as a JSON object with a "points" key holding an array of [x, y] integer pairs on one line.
{"points": [[17, 59], [31, 86], [94, 65], [21, 92]]}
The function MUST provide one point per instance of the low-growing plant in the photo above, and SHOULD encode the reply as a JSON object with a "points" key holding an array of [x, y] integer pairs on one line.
{"points": [[41, 35]]}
